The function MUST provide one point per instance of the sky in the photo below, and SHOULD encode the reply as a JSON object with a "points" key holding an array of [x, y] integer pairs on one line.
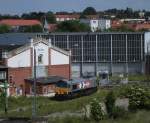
{"points": [[25, 6]]}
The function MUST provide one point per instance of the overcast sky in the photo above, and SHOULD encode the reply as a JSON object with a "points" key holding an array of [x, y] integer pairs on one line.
{"points": [[21, 6]]}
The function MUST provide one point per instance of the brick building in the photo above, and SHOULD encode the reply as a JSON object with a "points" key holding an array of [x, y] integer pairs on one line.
{"points": [[50, 61]]}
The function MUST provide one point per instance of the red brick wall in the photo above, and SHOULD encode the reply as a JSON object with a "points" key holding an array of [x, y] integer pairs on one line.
{"points": [[60, 70], [18, 76]]}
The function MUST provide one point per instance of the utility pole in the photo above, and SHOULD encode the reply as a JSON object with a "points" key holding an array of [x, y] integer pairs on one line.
{"points": [[34, 87], [5, 96]]}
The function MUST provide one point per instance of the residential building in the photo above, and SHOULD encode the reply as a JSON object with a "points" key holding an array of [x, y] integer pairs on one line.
{"points": [[104, 24], [19, 24], [92, 23], [97, 24], [66, 17], [116, 24]]}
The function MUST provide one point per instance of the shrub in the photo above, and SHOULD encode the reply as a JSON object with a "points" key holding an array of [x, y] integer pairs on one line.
{"points": [[96, 110], [139, 98], [110, 103]]}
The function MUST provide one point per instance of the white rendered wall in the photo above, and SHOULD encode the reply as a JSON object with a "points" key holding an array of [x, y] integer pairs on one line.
{"points": [[20, 60], [42, 48], [94, 25], [104, 24], [58, 58]]}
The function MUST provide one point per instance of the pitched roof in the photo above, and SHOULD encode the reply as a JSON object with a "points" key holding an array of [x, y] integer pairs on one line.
{"points": [[68, 16], [16, 38], [20, 22], [35, 41]]}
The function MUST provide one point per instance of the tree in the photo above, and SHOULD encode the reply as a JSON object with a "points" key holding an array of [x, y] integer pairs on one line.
{"points": [[89, 11], [4, 29], [72, 26], [33, 15], [34, 28], [50, 17]]}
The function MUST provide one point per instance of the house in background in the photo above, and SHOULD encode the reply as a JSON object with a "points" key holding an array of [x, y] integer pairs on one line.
{"points": [[104, 24], [93, 24], [97, 24], [50, 61], [66, 17], [19, 24]]}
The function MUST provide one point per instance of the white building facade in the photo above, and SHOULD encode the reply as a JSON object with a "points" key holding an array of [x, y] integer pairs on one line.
{"points": [[97, 24]]}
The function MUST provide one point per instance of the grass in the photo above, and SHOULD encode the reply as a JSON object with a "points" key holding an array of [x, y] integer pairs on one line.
{"points": [[138, 117], [47, 106]]}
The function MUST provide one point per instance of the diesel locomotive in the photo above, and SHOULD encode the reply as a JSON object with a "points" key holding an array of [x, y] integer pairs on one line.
{"points": [[75, 88]]}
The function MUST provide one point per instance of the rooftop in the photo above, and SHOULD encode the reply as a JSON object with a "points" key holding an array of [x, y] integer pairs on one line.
{"points": [[20, 22], [46, 80]]}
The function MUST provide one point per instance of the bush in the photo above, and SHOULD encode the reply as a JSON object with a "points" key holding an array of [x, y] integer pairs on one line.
{"points": [[96, 110], [110, 103], [139, 98]]}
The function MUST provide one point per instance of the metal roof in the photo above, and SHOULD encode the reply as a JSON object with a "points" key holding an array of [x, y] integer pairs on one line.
{"points": [[23, 38], [46, 80], [15, 38]]}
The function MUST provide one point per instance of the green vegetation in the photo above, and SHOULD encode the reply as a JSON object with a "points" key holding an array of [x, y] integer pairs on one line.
{"points": [[34, 28], [50, 17], [4, 29], [138, 117], [96, 110], [137, 94], [139, 97], [72, 26], [2, 100], [110, 103], [47, 106], [139, 78], [89, 11]]}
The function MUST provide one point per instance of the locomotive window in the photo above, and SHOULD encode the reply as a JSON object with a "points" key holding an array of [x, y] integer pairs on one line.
{"points": [[74, 87], [104, 76]]}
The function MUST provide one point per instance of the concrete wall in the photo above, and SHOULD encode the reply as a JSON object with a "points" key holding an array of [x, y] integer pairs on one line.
{"points": [[116, 68]]}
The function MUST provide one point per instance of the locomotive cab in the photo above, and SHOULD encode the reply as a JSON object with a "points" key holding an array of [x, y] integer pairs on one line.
{"points": [[104, 77]]}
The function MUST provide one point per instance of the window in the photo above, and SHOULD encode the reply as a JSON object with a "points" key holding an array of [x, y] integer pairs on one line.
{"points": [[94, 21], [2, 75], [40, 58]]}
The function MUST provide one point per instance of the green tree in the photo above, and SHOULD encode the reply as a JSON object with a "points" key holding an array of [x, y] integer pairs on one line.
{"points": [[72, 26], [4, 29], [34, 28], [50, 17], [89, 11]]}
